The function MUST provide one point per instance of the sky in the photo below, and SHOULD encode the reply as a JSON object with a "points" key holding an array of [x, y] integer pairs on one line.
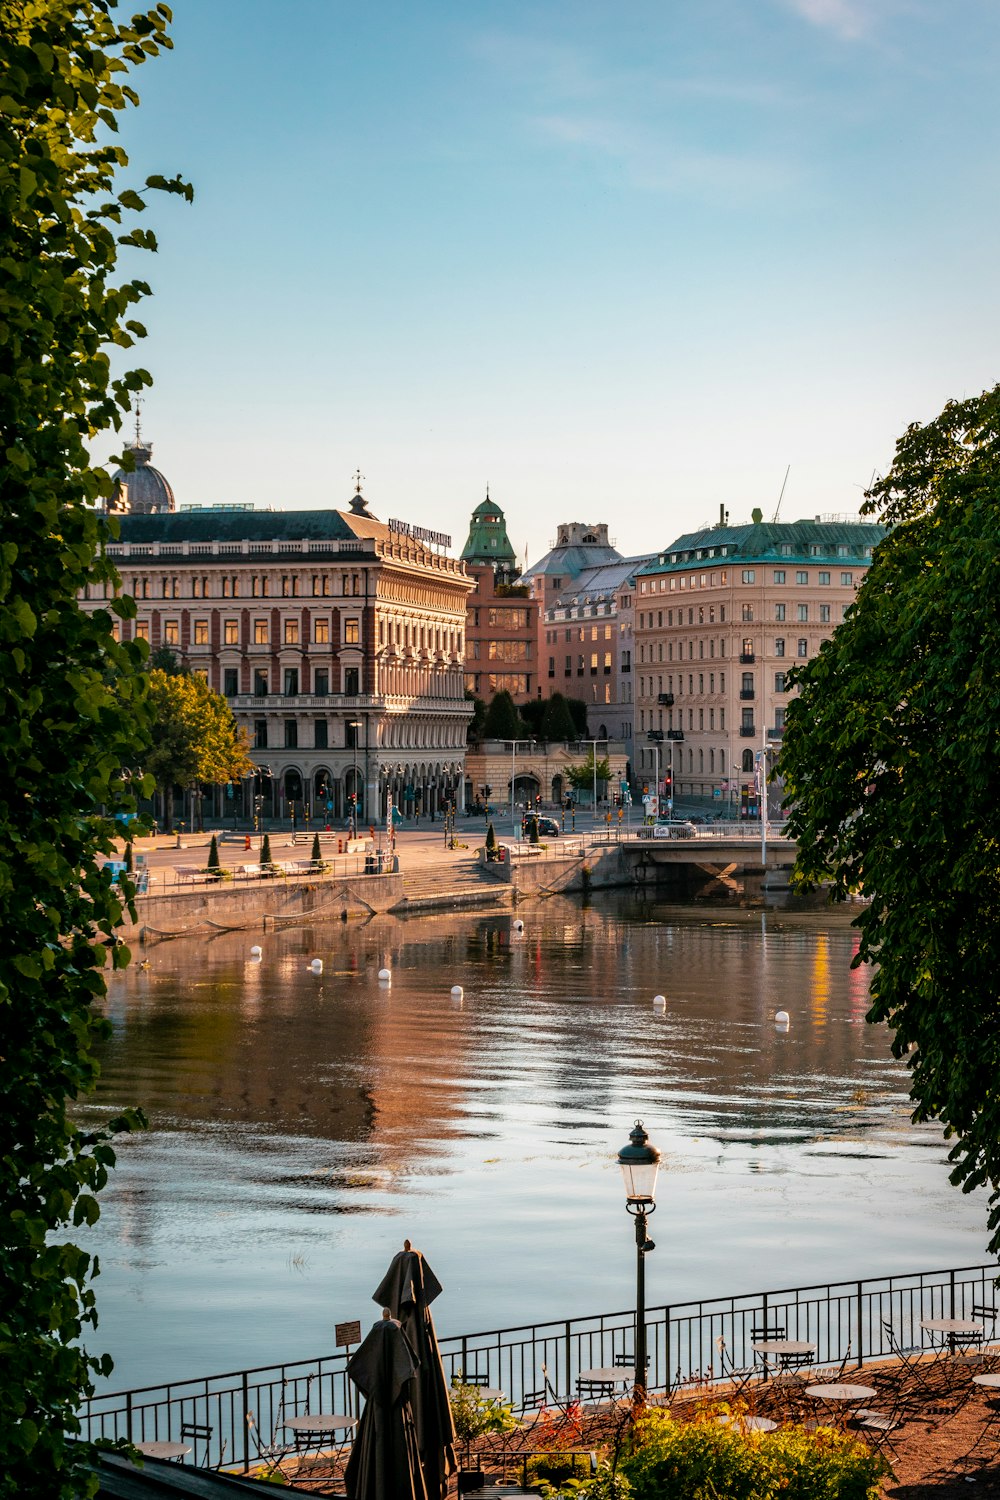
{"points": [[620, 262]]}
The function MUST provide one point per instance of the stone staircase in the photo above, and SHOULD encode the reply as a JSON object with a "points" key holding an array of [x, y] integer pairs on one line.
{"points": [[451, 884]]}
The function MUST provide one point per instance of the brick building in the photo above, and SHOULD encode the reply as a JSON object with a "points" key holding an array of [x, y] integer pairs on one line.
{"points": [[501, 638]]}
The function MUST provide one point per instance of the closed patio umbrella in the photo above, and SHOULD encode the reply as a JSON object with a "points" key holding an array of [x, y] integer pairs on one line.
{"points": [[407, 1290], [385, 1462]]}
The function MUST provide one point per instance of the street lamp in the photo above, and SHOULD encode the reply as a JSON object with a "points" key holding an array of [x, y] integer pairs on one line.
{"points": [[354, 724], [640, 1162]]}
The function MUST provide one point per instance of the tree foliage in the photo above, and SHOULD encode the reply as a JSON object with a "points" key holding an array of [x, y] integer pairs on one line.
{"points": [[891, 761], [557, 721], [194, 737], [581, 775], [73, 711], [502, 720]]}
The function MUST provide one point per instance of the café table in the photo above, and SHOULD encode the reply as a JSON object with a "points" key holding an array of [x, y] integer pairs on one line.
{"points": [[782, 1350], [162, 1448], [954, 1331], [313, 1426], [605, 1375], [841, 1393], [748, 1423]]}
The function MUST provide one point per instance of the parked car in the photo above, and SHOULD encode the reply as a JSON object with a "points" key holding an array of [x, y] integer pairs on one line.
{"points": [[674, 828], [548, 828]]}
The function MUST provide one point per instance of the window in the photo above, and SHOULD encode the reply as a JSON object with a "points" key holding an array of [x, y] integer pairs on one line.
{"points": [[509, 619], [171, 632], [352, 632], [847, 580], [747, 682], [291, 734], [779, 682], [321, 632], [824, 614], [593, 664], [230, 682], [321, 682], [260, 734], [748, 650], [231, 632], [607, 663], [351, 680], [321, 734], [746, 718], [509, 650], [779, 646], [779, 611], [291, 681], [260, 684], [824, 577], [747, 614], [291, 632], [260, 632], [779, 575], [779, 718], [803, 646], [802, 576], [201, 632], [802, 613], [749, 575]]}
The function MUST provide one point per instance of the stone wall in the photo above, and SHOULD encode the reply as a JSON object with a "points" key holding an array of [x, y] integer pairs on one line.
{"points": [[263, 904]]}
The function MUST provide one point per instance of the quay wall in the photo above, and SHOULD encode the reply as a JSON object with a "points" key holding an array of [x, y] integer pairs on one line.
{"points": [[262, 904]]}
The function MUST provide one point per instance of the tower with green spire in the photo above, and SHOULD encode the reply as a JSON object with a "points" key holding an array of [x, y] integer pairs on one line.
{"points": [[488, 545]]}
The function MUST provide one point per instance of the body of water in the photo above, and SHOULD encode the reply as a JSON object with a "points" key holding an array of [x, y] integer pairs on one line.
{"points": [[302, 1126]]}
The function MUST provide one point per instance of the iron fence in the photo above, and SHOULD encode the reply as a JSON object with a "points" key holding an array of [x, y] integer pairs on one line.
{"points": [[846, 1321]]}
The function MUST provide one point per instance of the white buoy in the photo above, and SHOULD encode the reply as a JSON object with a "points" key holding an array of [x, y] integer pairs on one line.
{"points": [[316, 965], [518, 925], [385, 975], [781, 1018], [256, 951], [660, 1001], [457, 991]]}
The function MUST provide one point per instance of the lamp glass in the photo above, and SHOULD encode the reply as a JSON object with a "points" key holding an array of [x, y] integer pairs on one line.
{"points": [[640, 1178]]}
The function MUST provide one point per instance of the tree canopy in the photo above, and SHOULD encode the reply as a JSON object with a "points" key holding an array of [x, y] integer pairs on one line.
{"points": [[581, 775], [891, 764], [502, 720], [193, 734], [73, 720]]}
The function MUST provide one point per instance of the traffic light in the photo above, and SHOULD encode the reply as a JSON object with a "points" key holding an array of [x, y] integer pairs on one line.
{"points": [[538, 799]]}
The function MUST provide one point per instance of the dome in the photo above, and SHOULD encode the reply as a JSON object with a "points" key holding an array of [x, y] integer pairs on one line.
{"points": [[488, 541], [145, 490]]}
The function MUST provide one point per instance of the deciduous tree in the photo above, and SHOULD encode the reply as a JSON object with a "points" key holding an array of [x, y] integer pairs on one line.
{"points": [[72, 699], [194, 737], [891, 762]]}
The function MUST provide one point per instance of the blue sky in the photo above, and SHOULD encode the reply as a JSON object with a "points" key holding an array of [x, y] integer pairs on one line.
{"points": [[624, 263]]}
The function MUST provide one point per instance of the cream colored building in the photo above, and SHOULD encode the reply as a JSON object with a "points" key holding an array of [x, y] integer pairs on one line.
{"points": [[721, 616], [338, 641]]}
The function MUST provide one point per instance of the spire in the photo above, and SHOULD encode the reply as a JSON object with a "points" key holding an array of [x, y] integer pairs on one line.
{"points": [[359, 505], [138, 426]]}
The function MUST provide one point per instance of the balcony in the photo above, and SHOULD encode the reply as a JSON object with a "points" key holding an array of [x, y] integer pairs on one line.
{"points": [[747, 694], [675, 734], [747, 658], [654, 734], [748, 731], [666, 699], [256, 702], [777, 733]]}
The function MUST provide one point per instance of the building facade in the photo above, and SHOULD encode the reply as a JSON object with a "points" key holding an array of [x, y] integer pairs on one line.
{"points": [[501, 636], [721, 617], [338, 642]]}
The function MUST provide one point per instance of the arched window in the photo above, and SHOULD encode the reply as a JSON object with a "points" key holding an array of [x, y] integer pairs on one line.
{"points": [[748, 760]]}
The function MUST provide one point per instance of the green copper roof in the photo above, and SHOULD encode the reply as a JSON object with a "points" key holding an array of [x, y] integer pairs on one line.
{"points": [[772, 541], [488, 541]]}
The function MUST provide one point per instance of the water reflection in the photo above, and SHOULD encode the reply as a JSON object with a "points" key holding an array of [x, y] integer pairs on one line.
{"points": [[303, 1125]]}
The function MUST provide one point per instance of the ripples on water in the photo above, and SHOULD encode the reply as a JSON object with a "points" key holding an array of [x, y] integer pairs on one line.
{"points": [[302, 1126]]}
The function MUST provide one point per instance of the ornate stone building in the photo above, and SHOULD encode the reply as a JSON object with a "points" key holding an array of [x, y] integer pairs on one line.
{"points": [[720, 617], [502, 621], [338, 641]]}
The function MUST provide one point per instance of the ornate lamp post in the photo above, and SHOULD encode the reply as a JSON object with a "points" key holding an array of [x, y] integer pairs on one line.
{"points": [[640, 1163], [355, 725]]}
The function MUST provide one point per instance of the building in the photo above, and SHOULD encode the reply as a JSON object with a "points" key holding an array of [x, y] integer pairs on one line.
{"points": [[588, 646], [578, 548], [501, 644], [338, 640], [721, 617]]}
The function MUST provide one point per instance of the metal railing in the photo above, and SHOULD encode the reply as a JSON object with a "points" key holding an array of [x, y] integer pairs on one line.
{"points": [[245, 1409], [333, 867]]}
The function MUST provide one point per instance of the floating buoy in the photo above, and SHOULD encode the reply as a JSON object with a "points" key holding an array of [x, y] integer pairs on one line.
{"points": [[660, 1001], [385, 975], [518, 925], [316, 965], [781, 1018], [457, 991], [256, 951]]}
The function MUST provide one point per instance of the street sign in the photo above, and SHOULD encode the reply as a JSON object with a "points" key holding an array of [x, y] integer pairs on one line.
{"points": [[347, 1333]]}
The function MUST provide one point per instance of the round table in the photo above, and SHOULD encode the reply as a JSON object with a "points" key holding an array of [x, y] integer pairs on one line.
{"points": [[319, 1422], [782, 1348], [840, 1391], [991, 1382], [607, 1375], [751, 1424], [487, 1392], [161, 1448], [952, 1326]]}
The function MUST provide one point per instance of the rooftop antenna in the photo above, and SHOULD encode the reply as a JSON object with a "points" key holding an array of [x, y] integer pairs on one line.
{"points": [[782, 495], [357, 476], [138, 428], [487, 489]]}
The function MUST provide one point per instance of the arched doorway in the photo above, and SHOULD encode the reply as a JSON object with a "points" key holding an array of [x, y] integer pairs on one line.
{"points": [[747, 761], [292, 793], [323, 801]]}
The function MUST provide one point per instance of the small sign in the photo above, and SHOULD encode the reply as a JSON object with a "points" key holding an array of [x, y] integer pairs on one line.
{"points": [[347, 1333]]}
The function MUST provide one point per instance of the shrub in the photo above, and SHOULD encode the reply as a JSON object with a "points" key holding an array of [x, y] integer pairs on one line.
{"points": [[491, 842], [317, 853], [214, 863], [265, 850], [473, 1415], [670, 1460]]}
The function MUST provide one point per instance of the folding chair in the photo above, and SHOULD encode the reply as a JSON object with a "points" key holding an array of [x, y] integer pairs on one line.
{"points": [[195, 1433]]}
